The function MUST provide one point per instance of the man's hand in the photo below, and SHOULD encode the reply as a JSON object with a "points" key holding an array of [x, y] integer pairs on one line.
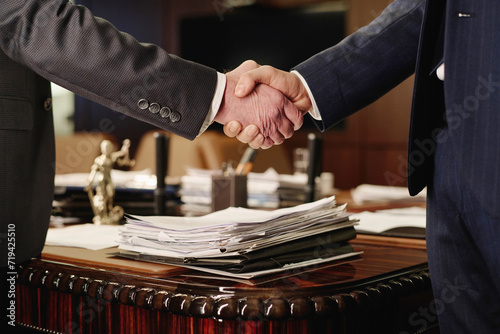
{"points": [[267, 115], [287, 83]]}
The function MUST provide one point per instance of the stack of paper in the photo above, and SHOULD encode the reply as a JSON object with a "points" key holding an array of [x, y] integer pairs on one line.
{"points": [[243, 242], [264, 189]]}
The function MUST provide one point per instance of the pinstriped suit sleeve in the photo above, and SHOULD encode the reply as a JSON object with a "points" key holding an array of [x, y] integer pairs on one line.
{"points": [[366, 64], [67, 45]]}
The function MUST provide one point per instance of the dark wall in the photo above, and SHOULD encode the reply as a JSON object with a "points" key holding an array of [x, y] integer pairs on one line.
{"points": [[281, 37], [141, 19]]}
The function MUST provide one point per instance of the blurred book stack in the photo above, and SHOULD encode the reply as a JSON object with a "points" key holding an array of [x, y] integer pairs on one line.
{"points": [[134, 191], [268, 190]]}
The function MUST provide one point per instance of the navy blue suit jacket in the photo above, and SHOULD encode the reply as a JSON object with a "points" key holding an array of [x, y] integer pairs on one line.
{"points": [[405, 39]]}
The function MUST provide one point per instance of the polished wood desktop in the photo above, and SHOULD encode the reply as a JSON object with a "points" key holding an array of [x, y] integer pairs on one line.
{"points": [[384, 290]]}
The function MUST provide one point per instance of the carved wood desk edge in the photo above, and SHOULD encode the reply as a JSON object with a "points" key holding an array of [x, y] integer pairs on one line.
{"points": [[127, 290]]}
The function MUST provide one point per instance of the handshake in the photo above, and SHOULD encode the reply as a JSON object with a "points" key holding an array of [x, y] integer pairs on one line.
{"points": [[262, 106]]}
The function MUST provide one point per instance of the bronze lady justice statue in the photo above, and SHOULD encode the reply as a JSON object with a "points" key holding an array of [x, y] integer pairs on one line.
{"points": [[100, 187]]}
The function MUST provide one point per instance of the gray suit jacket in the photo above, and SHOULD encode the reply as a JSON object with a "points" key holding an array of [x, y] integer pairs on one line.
{"points": [[405, 39], [56, 41]]}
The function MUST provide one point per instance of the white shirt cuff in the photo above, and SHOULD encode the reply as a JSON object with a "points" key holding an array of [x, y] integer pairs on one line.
{"points": [[314, 112], [440, 72], [214, 108]]}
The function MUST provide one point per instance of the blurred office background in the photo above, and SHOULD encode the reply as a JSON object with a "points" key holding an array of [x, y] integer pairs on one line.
{"points": [[368, 147]]}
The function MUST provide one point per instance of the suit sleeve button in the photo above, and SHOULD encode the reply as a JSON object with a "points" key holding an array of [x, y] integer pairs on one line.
{"points": [[175, 117], [47, 104], [165, 112], [143, 104], [154, 108]]}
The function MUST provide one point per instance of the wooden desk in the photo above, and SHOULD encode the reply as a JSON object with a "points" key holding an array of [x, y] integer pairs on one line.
{"points": [[381, 291]]}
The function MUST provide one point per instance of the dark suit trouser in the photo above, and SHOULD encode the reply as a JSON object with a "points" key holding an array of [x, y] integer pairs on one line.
{"points": [[463, 244]]}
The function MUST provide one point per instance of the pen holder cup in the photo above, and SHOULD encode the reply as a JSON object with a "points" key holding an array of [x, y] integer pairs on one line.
{"points": [[229, 191]]}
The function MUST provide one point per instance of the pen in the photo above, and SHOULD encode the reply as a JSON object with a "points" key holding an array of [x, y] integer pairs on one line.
{"points": [[246, 162]]}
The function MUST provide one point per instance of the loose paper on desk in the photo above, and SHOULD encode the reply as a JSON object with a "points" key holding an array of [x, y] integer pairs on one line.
{"points": [[89, 236], [385, 220], [376, 193]]}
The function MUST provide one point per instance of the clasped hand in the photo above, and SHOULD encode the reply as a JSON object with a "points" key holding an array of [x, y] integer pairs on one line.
{"points": [[262, 106]]}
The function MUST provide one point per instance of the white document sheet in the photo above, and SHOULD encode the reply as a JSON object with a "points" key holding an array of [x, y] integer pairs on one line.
{"points": [[87, 236], [383, 220]]}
